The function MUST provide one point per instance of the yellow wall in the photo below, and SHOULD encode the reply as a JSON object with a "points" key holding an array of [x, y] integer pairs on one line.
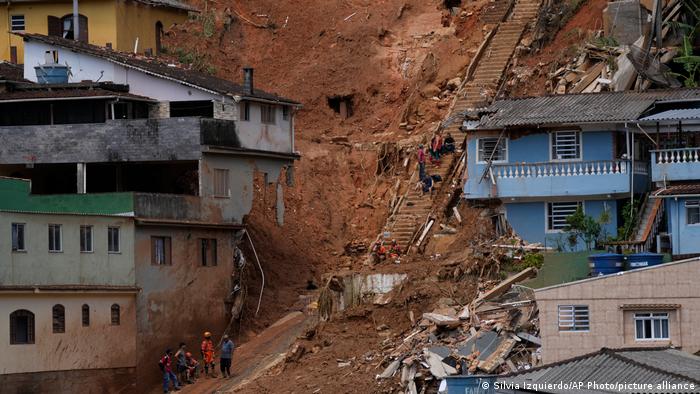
{"points": [[139, 20], [115, 21]]}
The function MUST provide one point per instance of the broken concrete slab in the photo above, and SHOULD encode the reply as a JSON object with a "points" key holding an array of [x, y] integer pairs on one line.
{"points": [[498, 356], [442, 321], [483, 342], [530, 338], [464, 314], [390, 370], [437, 368]]}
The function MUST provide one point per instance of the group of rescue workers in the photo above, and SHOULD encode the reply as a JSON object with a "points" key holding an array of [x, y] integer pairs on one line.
{"points": [[381, 252], [187, 368]]}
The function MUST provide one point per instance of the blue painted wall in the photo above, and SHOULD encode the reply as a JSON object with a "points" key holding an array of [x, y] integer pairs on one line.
{"points": [[528, 221], [674, 171], [685, 238], [534, 148]]}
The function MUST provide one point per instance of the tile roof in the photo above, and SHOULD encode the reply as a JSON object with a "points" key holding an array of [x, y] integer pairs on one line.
{"points": [[678, 190], [32, 91], [11, 72], [674, 114], [609, 366], [169, 3], [159, 68], [578, 108]]}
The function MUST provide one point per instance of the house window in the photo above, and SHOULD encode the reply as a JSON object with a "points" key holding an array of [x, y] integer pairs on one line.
{"points": [[21, 327], [86, 315], [86, 239], [159, 37], [267, 114], [18, 237], [566, 145], [68, 30], [55, 238], [221, 188], [692, 212], [113, 239], [245, 111], [160, 251], [557, 212], [493, 149], [573, 318], [59, 319], [285, 112], [207, 254], [17, 22], [651, 326], [115, 314]]}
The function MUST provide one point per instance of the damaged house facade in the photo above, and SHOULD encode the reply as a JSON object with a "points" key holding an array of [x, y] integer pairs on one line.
{"points": [[125, 25], [177, 150], [544, 157]]}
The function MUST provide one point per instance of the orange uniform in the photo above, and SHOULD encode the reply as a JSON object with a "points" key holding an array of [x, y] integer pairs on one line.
{"points": [[208, 351]]}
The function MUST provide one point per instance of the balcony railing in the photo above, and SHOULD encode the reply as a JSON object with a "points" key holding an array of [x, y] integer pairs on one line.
{"points": [[683, 155], [675, 164], [564, 169]]}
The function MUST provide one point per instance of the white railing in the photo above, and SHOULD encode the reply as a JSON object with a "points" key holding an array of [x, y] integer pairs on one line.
{"points": [[549, 169], [682, 155]]}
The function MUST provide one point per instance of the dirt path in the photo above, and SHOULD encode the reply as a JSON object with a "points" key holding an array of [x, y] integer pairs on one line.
{"points": [[255, 357]]}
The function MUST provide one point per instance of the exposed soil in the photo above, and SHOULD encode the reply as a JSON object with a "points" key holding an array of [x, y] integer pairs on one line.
{"points": [[560, 49]]}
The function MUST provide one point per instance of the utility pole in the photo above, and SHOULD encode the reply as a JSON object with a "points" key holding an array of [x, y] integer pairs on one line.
{"points": [[76, 21]]}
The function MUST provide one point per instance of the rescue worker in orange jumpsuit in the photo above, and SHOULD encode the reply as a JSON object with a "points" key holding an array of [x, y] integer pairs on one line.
{"points": [[208, 354]]}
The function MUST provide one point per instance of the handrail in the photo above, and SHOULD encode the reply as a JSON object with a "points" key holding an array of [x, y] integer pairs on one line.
{"points": [[568, 168], [680, 155]]}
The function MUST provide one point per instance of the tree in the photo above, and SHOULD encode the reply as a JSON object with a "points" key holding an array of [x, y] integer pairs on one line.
{"points": [[583, 227]]}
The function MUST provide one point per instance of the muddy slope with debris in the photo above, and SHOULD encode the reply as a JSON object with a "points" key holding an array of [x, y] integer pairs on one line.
{"points": [[389, 61]]}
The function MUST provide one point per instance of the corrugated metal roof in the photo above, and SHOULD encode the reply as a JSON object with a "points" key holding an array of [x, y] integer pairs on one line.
{"points": [[608, 366], [604, 107], [674, 114]]}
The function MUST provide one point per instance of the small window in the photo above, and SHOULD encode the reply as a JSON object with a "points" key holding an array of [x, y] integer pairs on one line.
{"points": [[557, 212], [113, 239], [493, 149], [651, 326], [59, 319], [221, 187], [21, 327], [207, 254], [160, 251], [245, 111], [566, 145], [17, 22], [573, 318], [86, 315], [18, 237], [692, 212], [86, 239], [55, 238], [115, 314], [285, 112], [267, 114]]}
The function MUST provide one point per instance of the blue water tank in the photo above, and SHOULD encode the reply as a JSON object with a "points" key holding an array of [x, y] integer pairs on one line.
{"points": [[641, 260], [51, 73], [605, 263], [468, 384]]}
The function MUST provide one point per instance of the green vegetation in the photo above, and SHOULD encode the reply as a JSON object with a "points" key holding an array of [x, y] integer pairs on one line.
{"points": [[583, 227], [686, 57], [195, 60], [629, 215], [529, 259]]}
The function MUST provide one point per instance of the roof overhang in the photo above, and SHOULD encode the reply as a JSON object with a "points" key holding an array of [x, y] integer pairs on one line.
{"points": [[64, 289]]}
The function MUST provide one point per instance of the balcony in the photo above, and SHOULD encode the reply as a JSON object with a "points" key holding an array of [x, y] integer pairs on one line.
{"points": [[675, 164], [559, 179]]}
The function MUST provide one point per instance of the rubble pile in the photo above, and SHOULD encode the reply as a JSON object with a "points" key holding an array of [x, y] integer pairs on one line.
{"points": [[627, 53], [496, 333]]}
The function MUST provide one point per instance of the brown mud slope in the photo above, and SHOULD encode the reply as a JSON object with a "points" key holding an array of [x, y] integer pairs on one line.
{"points": [[560, 50], [379, 53]]}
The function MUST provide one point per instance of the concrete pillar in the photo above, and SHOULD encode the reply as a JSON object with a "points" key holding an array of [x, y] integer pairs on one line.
{"points": [[280, 204], [160, 110], [82, 178]]}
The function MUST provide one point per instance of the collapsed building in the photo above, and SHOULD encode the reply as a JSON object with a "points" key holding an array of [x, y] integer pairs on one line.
{"points": [[141, 174]]}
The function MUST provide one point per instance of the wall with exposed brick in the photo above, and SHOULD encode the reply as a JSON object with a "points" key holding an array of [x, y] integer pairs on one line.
{"points": [[613, 327], [115, 140]]}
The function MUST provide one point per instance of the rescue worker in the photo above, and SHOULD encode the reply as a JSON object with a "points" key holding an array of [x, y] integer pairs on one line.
{"points": [[421, 161], [226, 356], [166, 367], [208, 354], [192, 368], [394, 249]]}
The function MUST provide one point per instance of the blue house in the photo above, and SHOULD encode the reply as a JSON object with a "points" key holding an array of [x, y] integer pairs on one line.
{"points": [[544, 157]]}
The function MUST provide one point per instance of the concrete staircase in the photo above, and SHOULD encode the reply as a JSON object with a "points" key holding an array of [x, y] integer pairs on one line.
{"points": [[483, 87], [415, 207], [476, 92]]}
